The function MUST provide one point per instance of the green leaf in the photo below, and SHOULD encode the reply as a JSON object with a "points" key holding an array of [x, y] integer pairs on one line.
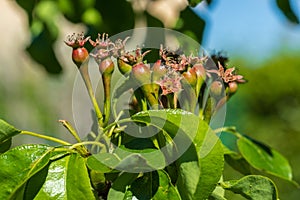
{"points": [[67, 178], [154, 185], [18, 165], [35, 182], [95, 164], [119, 189], [174, 123], [98, 180], [238, 163], [194, 2], [286, 9], [253, 187], [199, 177], [217, 194], [7, 131], [5, 145], [145, 186], [179, 125], [131, 160], [188, 177], [264, 158], [201, 161], [211, 167], [166, 190]]}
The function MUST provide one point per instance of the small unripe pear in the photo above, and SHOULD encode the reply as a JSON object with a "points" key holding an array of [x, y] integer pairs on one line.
{"points": [[191, 77], [79, 55], [200, 71], [233, 86], [124, 67], [158, 70], [216, 88], [106, 66], [141, 73]]}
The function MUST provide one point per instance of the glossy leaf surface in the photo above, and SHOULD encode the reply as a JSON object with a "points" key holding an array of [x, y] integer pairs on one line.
{"points": [[199, 175], [253, 187], [264, 158], [67, 178], [18, 165], [7, 131]]}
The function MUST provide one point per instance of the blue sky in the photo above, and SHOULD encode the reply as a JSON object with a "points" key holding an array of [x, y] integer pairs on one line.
{"points": [[249, 27]]}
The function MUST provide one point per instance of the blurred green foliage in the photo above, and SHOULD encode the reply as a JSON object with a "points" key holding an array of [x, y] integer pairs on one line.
{"points": [[268, 108], [112, 17]]}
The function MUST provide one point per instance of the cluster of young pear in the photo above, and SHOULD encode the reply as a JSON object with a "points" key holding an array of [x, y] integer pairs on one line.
{"points": [[175, 80]]}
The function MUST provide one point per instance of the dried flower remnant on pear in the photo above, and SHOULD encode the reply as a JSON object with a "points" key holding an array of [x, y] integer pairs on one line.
{"points": [[79, 53]]}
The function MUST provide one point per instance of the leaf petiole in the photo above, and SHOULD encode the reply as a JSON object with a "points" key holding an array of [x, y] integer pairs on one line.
{"points": [[53, 139], [68, 126]]}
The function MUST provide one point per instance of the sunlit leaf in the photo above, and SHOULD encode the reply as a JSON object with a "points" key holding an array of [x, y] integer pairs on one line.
{"points": [[196, 157], [7, 131], [211, 167], [166, 190], [18, 165], [67, 178], [264, 158], [217, 194], [130, 160], [146, 158], [198, 176], [96, 164], [253, 187]]}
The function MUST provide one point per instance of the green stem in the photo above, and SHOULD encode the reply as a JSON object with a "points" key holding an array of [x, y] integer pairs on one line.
{"points": [[98, 138], [86, 78], [150, 96], [53, 139], [106, 79], [116, 123], [172, 100], [69, 127], [201, 115], [228, 129], [86, 143]]}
